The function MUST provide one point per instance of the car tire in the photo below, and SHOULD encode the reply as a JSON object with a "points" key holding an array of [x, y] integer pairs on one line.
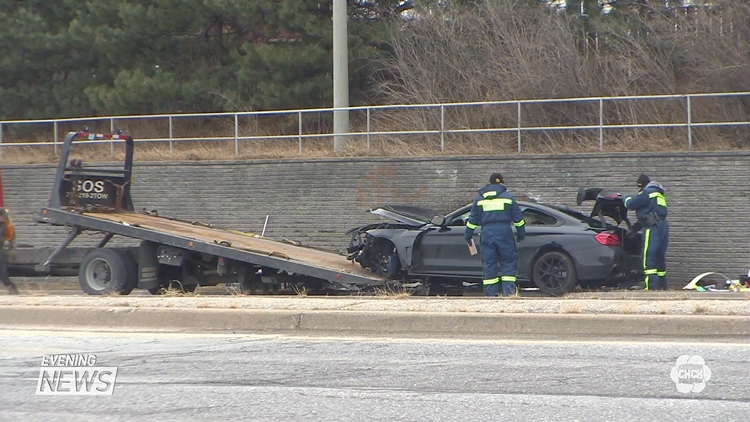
{"points": [[554, 273], [105, 271]]}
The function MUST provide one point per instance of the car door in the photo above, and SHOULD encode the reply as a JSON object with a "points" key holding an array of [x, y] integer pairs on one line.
{"points": [[443, 250], [540, 226]]}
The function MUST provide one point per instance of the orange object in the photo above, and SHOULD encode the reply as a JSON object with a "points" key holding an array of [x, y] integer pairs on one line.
{"points": [[10, 232]]}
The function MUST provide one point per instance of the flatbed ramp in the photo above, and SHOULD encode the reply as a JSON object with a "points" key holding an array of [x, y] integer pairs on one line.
{"points": [[247, 242], [203, 238]]}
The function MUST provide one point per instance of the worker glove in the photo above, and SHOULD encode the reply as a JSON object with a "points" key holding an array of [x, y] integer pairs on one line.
{"points": [[468, 234], [521, 233]]}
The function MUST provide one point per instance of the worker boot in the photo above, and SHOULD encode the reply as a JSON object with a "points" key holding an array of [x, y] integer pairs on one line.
{"points": [[663, 283], [641, 285], [492, 290]]}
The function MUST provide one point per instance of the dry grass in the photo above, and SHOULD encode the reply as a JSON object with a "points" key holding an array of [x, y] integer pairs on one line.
{"points": [[300, 291], [175, 290], [627, 308], [392, 292], [323, 148], [572, 308], [701, 309], [234, 289]]}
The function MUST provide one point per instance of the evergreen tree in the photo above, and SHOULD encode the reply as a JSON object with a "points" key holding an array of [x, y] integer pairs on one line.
{"points": [[100, 57]]}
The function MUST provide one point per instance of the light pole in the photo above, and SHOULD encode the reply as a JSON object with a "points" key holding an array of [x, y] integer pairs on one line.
{"points": [[340, 76]]}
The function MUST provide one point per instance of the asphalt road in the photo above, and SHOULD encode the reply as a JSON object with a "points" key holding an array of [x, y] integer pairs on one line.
{"points": [[181, 377]]}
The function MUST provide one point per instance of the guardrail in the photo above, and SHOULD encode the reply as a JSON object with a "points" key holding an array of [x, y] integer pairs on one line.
{"points": [[437, 120]]}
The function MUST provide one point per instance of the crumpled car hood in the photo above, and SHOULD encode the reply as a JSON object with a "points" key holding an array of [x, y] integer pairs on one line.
{"points": [[405, 214]]}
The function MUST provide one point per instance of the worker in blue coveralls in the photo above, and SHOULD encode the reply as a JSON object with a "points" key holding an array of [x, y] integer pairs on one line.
{"points": [[495, 209], [650, 207]]}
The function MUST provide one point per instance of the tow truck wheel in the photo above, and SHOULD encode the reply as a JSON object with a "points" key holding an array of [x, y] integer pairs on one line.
{"points": [[105, 271]]}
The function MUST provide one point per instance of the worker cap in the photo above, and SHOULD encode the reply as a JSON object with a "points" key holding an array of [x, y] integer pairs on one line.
{"points": [[643, 180], [496, 178]]}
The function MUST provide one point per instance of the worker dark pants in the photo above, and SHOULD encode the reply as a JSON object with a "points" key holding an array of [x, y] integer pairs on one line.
{"points": [[499, 259], [4, 269], [655, 241]]}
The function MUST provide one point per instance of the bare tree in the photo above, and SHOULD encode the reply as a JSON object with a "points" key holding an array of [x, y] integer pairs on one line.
{"points": [[517, 49]]}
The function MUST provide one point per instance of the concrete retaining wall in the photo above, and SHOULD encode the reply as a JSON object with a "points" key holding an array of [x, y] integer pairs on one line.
{"points": [[316, 200]]}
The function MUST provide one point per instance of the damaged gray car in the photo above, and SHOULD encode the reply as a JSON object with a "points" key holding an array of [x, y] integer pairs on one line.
{"points": [[564, 248]]}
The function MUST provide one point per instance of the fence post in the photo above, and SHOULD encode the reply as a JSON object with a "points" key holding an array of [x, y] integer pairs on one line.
{"points": [[1, 140], [601, 124], [54, 140], [236, 134], [519, 127], [299, 115], [689, 124], [442, 127], [368, 128], [171, 135], [112, 141]]}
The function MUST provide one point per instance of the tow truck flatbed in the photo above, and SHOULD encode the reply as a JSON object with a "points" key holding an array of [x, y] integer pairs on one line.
{"points": [[217, 241], [172, 252]]}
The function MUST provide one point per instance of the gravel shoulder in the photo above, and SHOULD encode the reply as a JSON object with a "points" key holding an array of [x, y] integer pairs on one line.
{"points": [[673, 306]]}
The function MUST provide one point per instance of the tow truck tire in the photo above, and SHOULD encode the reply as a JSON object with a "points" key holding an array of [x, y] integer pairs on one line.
{"points": [[132, 267], [105, 271]]}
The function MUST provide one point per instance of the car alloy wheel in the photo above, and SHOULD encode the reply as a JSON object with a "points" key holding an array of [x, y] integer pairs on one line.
{"points": [[555, 273]]}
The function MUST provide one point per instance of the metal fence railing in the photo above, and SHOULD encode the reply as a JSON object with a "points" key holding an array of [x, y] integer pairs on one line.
{"points": [[516, 119]]}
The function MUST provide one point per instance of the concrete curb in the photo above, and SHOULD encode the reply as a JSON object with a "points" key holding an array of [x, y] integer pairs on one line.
{"points": [[398, 324]]}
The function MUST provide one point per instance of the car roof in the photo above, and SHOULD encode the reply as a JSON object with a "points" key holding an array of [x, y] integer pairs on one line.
{"points": [[554, 210]]}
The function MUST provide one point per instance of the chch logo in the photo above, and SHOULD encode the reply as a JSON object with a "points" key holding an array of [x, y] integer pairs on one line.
{"points": [[690, 374]]}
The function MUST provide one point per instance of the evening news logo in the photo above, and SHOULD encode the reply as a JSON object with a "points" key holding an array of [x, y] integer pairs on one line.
{"points": [[75, 375]]}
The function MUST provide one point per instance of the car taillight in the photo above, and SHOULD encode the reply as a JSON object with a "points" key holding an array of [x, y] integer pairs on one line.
{"points": [[608, 239]]}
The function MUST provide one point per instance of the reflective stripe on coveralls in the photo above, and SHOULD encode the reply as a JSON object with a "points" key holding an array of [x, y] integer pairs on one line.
{"points": [[495, 204], [504, 279], [649, 271], [660, 199]]}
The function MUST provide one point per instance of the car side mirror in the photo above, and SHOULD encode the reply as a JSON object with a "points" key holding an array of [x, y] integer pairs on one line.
{"points": [[438, 221]]}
